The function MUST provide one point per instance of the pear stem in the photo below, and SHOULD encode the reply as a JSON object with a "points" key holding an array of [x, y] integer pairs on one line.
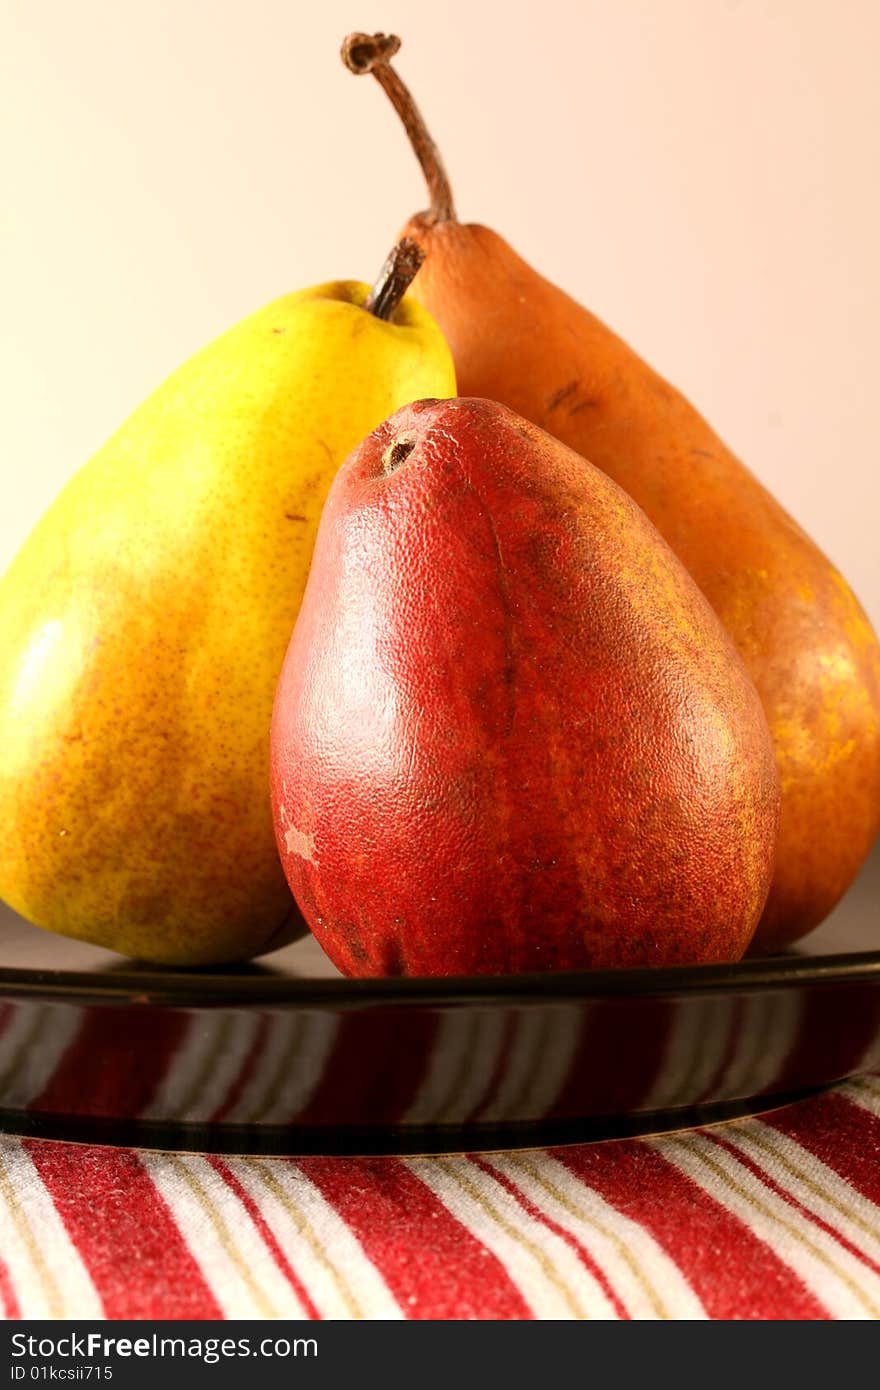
{"points": [[373, 53], [397, 274]]}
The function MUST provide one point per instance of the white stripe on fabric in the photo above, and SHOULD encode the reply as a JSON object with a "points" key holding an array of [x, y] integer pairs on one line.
{"points": [[644, 1277], [551, 1278], [833, 1276], [342, 1281], [235, 1261], [47, 1273], [812, 1183]]}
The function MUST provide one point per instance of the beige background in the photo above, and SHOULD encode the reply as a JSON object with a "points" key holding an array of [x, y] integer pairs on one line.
{"points": [[703, 173]]}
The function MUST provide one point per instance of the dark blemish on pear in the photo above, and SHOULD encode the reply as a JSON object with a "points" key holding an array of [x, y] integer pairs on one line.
{"points": [[356, 946], [397, 453], [561, 395], [391, 956], [294, 516]]}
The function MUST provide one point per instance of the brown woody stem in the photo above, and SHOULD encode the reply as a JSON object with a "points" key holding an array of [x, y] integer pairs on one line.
{"points": [[395, 278], [373, 53]]}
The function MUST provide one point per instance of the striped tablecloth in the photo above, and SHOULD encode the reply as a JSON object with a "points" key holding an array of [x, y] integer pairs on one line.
{"points": [[770, 1218]]}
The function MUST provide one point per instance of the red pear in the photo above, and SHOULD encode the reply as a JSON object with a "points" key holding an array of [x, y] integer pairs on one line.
{"points": [[510, 734]]}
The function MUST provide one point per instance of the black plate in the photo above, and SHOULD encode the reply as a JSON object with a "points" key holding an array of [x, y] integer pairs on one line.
{"points": [[285, 1056]]}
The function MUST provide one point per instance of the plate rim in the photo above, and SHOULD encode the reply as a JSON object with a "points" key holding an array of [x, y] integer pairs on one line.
{"points": [[393, 1140], [188, 988]]}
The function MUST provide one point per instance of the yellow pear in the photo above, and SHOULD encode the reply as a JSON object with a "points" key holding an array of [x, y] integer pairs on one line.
{"points": [[144, 622]]}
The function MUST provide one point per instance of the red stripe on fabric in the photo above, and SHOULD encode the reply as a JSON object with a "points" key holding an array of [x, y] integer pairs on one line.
{"points": [[267, 1235], [618, 1056], [124, 1232], [732, 1271], [432, 1264], [11, 1308], [841, 1134], [245, 1071], [764, 1177], [124, 1057], [369, 1074], [569, 1237]]}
